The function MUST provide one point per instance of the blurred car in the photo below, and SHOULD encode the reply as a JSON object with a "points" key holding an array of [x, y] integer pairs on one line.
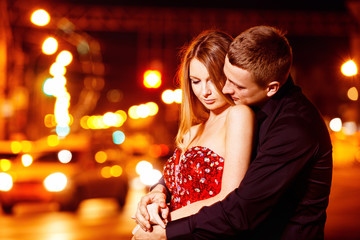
{"points": [[62, 175]]}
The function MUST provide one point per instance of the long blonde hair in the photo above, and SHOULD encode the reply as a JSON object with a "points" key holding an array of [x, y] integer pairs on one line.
{"points": [[210, 48]]}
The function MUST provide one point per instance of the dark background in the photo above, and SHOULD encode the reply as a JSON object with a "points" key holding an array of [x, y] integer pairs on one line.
{"points": [[137, 35]]}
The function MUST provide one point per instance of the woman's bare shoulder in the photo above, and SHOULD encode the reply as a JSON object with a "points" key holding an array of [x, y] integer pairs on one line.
{"points": [[240, 110]]}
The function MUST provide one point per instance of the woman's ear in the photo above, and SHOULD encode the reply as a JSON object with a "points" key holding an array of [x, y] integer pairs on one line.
{"points": [[272, 88]]}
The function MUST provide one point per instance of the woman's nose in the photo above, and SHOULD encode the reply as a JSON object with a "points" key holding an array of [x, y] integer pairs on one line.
{"points": [[206, 91]]}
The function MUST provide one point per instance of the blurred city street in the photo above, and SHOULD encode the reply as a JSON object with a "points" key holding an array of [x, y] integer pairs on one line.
{"points": [[95, 219], [99, 219], [89, 104], [343, 220]]}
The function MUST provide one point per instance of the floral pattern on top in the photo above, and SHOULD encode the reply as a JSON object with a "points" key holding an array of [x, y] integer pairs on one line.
{"points": [[193, 176]]}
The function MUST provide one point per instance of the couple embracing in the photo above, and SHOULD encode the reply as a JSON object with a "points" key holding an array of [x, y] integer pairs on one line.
{"points": [[253, 157]]}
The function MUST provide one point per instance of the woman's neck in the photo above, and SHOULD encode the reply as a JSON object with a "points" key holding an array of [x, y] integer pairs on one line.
{"points": [[217, 113]]}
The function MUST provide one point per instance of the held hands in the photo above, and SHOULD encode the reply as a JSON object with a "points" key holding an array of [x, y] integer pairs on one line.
{"points": [[150, 207], [158, 233], [154, 210]]}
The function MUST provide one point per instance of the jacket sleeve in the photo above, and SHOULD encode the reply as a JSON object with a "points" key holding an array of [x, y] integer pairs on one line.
{"points": [[281, 156], [162, 182]]}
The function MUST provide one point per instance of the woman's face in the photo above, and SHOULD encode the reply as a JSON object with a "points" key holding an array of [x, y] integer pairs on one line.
{"points": [[203, 87]]}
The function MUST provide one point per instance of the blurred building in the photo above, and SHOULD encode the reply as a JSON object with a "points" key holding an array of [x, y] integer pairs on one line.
{"points": [[124, 40]]}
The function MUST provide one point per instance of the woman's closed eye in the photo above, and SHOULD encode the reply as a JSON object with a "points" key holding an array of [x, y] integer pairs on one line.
{"points": [[195, 81]]}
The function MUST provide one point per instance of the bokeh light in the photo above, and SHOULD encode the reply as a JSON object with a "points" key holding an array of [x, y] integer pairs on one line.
{"points": [[49, 120], [6, 182], [143, 111], [57, 69], [110, 119], [349, 68], [152, 79], [353, 94], [118, 137], [114, 95], [50, 46], [100, 157], [64, 58], [151, 177], [178, 95], [106, 172], [64, 156], [53, 140], [167, 96], [16, 147], [55, 182], [5, 164], [153, 108], [133, 113], [40, 17], [26, 146], [26, 160], [116, 171], [143, 166], [336, 124]]}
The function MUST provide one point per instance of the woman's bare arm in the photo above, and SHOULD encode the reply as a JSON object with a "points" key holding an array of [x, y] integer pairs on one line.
{"points": [[239, 139]]}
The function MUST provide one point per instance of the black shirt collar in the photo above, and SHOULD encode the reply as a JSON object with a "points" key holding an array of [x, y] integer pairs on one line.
{"points": [[270, 105]]}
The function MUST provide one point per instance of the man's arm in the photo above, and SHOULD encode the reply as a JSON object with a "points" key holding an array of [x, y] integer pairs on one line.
{"points": [[167, 192], [281, 157], [158, 233]]}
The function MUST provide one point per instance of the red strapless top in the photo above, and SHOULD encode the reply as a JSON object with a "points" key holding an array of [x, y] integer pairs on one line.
{"points": [[195, 175]]}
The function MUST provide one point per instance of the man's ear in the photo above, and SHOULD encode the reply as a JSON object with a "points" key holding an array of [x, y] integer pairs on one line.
{"points": [[272, 88]]}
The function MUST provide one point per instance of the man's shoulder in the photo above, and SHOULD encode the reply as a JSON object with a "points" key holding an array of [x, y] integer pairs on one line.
{"points": [[298, 118]]}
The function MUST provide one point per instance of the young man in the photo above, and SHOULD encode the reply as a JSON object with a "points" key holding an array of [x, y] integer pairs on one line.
{"points": [[285, 192]]}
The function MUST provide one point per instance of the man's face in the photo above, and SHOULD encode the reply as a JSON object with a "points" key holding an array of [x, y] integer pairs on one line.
{"points": [[241, 86]]}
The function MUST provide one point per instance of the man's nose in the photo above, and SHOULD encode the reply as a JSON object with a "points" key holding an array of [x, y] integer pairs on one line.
{"points": [[227, 88]]}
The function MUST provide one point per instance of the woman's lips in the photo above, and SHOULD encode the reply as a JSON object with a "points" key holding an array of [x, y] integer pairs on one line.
{"points": [[209, 101]]}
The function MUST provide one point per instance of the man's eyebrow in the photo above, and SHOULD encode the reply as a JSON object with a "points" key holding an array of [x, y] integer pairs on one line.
{"points": [[234, 83]]}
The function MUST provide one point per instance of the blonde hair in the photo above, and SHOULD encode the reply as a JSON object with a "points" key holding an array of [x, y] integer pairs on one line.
{"points": [[210, 48]]}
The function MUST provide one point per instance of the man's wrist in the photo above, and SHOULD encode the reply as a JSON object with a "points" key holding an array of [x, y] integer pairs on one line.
{"points": [[159, 188], [179, 229]]}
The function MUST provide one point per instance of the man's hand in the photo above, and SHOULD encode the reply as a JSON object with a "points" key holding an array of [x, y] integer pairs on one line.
{"points": [[155, 211], [158, 233], [142, 216]]}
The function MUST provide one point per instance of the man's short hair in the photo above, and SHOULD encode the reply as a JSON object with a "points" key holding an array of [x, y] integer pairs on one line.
{"points": [[263, 51]]}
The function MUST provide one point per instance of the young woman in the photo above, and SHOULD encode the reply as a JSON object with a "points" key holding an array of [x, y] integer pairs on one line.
{"points": [[214, 139]]}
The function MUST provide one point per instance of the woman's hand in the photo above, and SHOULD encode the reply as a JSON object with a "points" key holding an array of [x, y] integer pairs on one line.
{"points": [[142, 215], [154, 211]]}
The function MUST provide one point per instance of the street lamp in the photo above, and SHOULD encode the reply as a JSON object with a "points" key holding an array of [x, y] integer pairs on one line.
{"points": [[349, 68], [152, 79], [40, 17]]}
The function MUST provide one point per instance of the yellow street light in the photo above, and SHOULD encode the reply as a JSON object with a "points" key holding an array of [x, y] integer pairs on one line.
{"points": [[152, 79], [64, 58], [40, 17], [349, 68], [50, 46]]}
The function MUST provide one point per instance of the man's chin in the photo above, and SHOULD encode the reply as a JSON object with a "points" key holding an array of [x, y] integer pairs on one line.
{"points": [[238, 102]]}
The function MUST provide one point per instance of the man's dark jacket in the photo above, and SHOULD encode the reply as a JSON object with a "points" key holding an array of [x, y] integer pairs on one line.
{"points": [[285, 192]]}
